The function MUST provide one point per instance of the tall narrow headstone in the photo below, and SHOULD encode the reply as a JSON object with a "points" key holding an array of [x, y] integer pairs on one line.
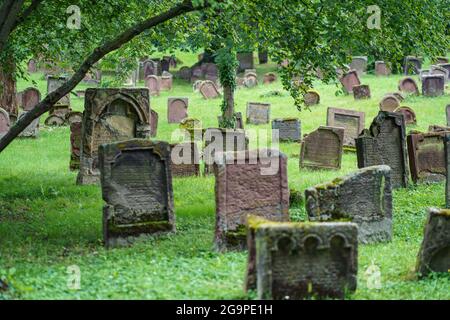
{"points": [[153, 84]]}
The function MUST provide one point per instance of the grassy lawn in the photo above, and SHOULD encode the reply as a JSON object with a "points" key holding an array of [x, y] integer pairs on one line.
{"points": [[47, 223]]}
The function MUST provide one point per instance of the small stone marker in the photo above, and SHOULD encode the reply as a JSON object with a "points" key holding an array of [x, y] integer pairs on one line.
{"points": [[166, 81], [359, 64], [54, 121], [408, 113], [153, 123], [245, 60], [426, 156], [184, 159], [382, 69], [344, 199], [153, 84], [269, 78], [288, 129], [352, 121], [384, 143], [311, 97], [4, 122], [434, 253], [412, 65], [209, 90], [258, 113], [322, 148], [349, 80], [32, 131], [75, 145], [248, 182], [361, 92], [408, 85], [291, 261], [250, 80], [30, 98], [389, 103], [137, 188], [177, 109], [433, 85]]}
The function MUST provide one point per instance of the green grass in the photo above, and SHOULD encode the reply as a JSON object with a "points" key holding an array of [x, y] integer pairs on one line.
{"points": [[47, 223]]}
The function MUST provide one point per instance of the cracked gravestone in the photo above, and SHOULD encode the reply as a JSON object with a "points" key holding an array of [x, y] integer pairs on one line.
{"points": [[352, 122]]}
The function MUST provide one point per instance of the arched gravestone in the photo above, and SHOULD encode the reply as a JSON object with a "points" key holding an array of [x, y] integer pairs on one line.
{"points": [[30, 98], [137, 187], [434, 253], [389, 103], [248, 182], [408, 113], [150, 68], [312, 97], [153, 84], [263, 57], [382, 69], [359, 64], [4, 122], [75, 145], [209, 90], [322, 148], [258, 113], [54, 121], [352, 122], [177, 109], [288, 129], [384, 143], [301, 260], [433, 85], [412, 65], [184, 159], [111, 115], [408, 85], [349, 80], [32, 131], [269, 78], [445, 66], [153, 123]]}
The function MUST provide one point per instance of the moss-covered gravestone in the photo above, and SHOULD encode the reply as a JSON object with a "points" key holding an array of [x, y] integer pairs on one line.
{"points": [[302, 260], [137, 188], [434, 254], [363, 197], [248, 183]]}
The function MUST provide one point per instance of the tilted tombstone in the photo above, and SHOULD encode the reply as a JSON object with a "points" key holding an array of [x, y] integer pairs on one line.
{"points": [[408, 113], [184, 159], [352, 121], [153, 123], [263, 57], [361, 92], [291, 261], [289, 129], [209, 90], [32, 131], [75, 145], [248, 182], [153, 84], [343, 199], [390, 102], [408, 85], [111, 115], [185, 73], [4, 122], [322, 148], [311, 97], [349, 80], [426, 156], [239, 122], [245, 60], [382, 69], [166, 81], [433, 85], [258, 113], [438, 70], [30, 98], [359, 64], [137, 188], [250, 80], [269, 78], [434, 253], [177, 109], [412, 65], [53, 83], [384, 143]]}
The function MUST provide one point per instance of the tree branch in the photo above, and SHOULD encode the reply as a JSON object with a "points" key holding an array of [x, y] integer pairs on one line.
{"points": [[28, 11], [8, 17]]}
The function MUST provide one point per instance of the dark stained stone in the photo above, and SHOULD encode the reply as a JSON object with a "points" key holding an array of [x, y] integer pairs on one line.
{"points": [[263, 57], [433, 85], [361, 92], [288, 129], [245, 60], [352, 122], [74, 116], [177, 109], [153, 84], [382, 69], [184, 73], [258, 113]]}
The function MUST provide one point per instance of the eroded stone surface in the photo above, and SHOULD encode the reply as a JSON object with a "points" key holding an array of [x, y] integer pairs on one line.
{"points": [[30, 98], [245, 60], [390, 102], [258, 113], [311, 98], [408, 85], [408, 113], [209, 90], [382, 69], [359, 64], [53, 83], [361, 92], [433, 85], [352, 122]]}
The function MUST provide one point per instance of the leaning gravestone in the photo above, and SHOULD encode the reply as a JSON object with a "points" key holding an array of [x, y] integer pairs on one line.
{"points": [[408, 85], [248, 182], [412, 65], [390, 102], [384, 144], [349, 80], [153, 84], [433, 85], [359, 64], [288, 129], [177, 109], [382, 69], [352, 122], [343, 199], [209, 90], [137, 188], [361, 92], [426, 156], [4, 122], [290, 261], [75, 145], [434, 253], [111, 115], [408, 113], [184, 159], [245, 60], [322, 148], [153, 123], [32, 131], [258, 113], [30, 98]]}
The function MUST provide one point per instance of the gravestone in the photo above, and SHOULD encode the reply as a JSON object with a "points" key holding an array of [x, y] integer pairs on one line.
{"points": [[209, 90], [263, 57], [75, 145], [245, 60], [111, 115], [196, 73], [426, 156], [412, 65], [30, 98], [343, 199], [239, 122], [434, 253], [408, 85], [288, 129], [250, 79], [359, 64], [291, 261], [177, 109], [382, 69], [210, 72], [137, 188], [153, 84], [192, 126], [408, 113], [54, 121], [445, 66], [246, 185], [384, 144], [32, 131], [390, 102], [442, 60], [4, 122], [269, 78], [433, 85], [74, 116], [53, 83], [424, 72], [349, 80], [184, 159], [438, 70], [166, 81], [150, 68], [361, 92], [153, 123], [258, 113], [352, 121], [311, 97], [165, 64], [322, 148], [185, 73]]}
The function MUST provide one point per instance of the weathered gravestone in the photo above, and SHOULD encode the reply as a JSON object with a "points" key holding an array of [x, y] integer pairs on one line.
{"points": [[352, 122], [433, 85], [384, 144], [196, 73], [250, 79], [438, 70], [349, 80], [322, 148], [382, 69], [32, 131], [412, 65], [153, 123], [75, 145], [434, 253], [426, 156], [111, 115], [258, 113], [153, 84], [177, 109], [184, 159], [361, 92], [137, 188], [74, 116], [245, 60], [193, 127], [31, 66], [151, 68], [185, 73], [209, 90], [288, 129], [408, 85], [390, 102], [248, 182], [30, 98], [4, 122], [291, 261], [165, 64], [311, 97], [363, 197], [166, 81], [359, 64], [210, 71], [53, 83], [54, 120], [239, 122], [445, 66], [408, 113]]}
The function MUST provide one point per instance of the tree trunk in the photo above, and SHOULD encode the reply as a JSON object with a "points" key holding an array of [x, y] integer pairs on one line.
{"points": [[8, 88], [228, 96]]}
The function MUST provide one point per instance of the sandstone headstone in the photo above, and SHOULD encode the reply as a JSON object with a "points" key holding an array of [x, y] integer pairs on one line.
{"points": [[408, 113], [312, 97], [166, 81], [137, 188], [30, 98], [359, 64], [288, 129], [32, 131], [75, 145], [389, 103], [74, 116], [352, 122], [196, 73], [433, 85], [245, 60], [382, 69], [184, 159], [53, 83], [177, 109], [322, 148], [384, 144], [412, 65], [408, 85], [349, 80], [153, 84], [361, 92], [4, 122], [209, 90], [258, 113], [269, 78]]}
